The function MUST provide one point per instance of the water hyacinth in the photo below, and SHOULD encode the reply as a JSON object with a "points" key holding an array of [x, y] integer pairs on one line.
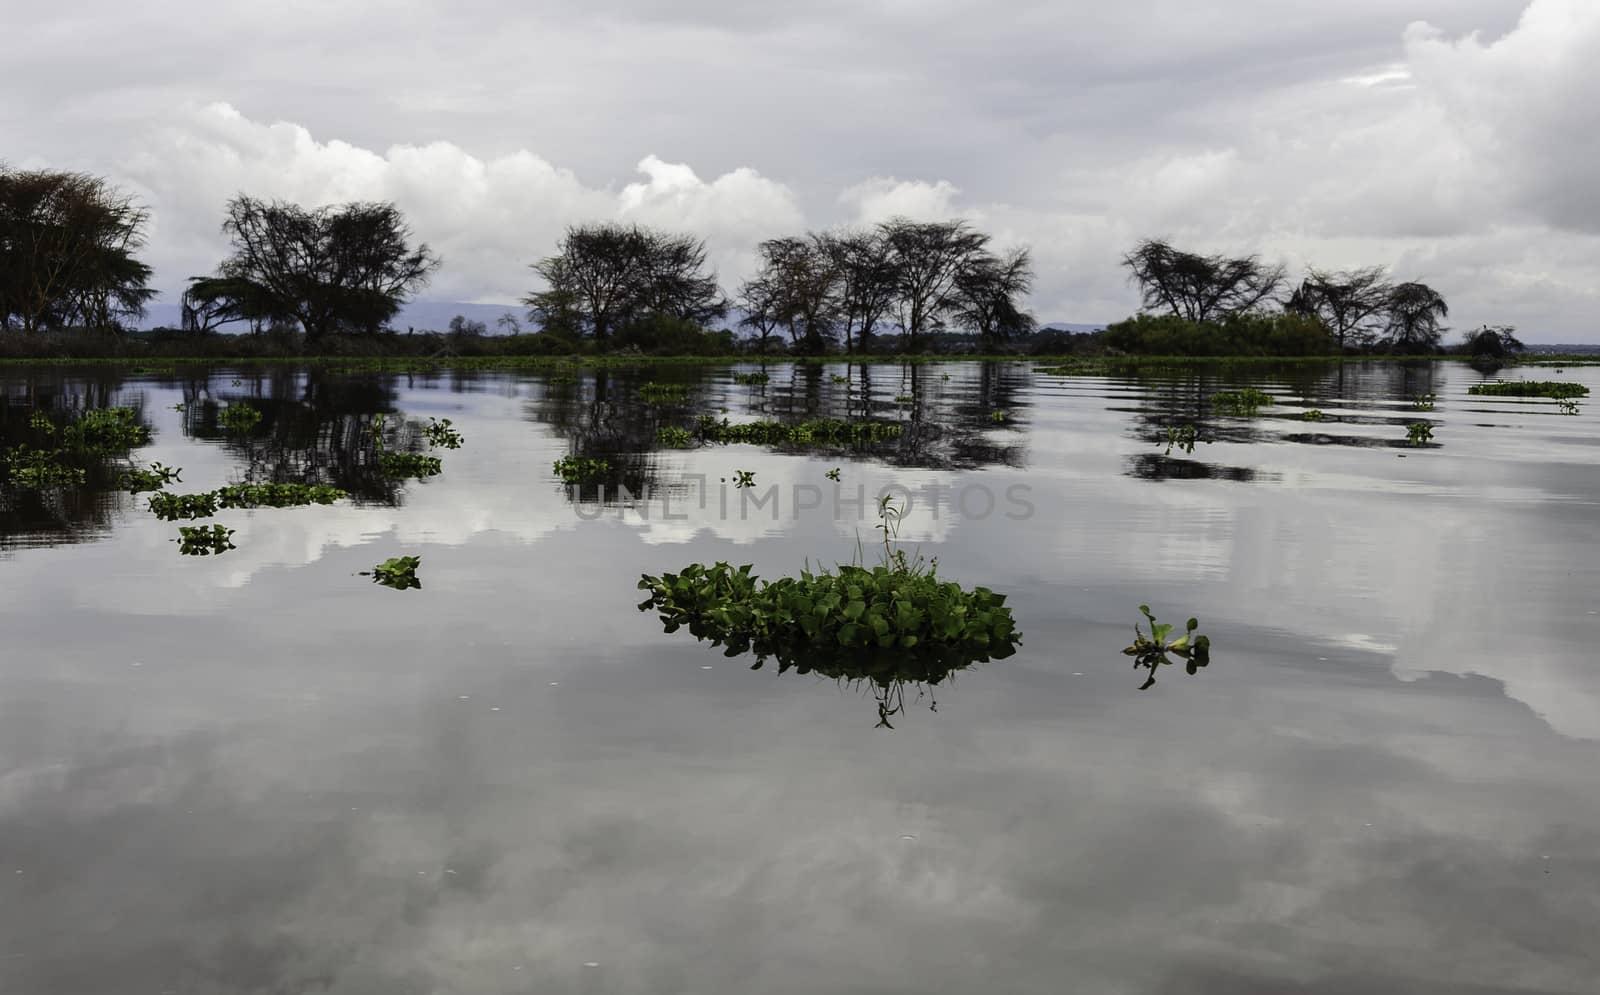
{"points": [[580, 469], [1556, 389], [407, 465]]}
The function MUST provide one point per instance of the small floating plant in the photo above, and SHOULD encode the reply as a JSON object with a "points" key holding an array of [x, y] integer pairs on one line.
{"points": [[199, 540], [441, 436], [402, 466], [398, 572], [239, 418], [1556, 389], [1240, 402], [580, 469], [1419, 432], [1156, 649]]}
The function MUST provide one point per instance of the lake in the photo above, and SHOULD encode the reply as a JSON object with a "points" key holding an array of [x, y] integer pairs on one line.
{"points": [[260, 771]]}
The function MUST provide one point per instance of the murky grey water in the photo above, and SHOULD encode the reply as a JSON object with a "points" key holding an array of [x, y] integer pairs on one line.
{"points": [[260, 772]]}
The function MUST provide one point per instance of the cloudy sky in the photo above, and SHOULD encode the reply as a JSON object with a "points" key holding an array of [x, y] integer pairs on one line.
{"points": [[1457, 141]]}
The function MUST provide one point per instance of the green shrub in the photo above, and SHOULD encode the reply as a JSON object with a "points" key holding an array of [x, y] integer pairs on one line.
{"points": [[1238, 335]]}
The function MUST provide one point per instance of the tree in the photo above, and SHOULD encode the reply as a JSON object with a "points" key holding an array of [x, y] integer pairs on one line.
{"points": [[1200, 288], [988, 289], [868, 282], [927, 258], [508, 324], [799, 280], [346, 268], [608, 275], [1415, 311], [210, 302], [461, 325], [1495, 341], [758, 299], [67, 244], [1354, 304]]}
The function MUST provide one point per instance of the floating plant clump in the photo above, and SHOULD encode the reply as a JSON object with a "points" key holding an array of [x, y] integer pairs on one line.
{"points": [[892, 624], [750, 379], [172, 507], [825, 431], [659, 393], [1419, 432], [1240, 402], [1556, 389], [1156, 649], [405, 465], [102, 431], [277, 495], [580, 469], [136, 480], [441, 435], [997, 416], [40, 469], [1423, 402], [674, 438], [199, 540], [239, 418], [398, 572], [1313, 414], [1181, 437], [744, 478]]}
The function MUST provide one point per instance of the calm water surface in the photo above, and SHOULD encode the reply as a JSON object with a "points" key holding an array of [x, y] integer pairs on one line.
{"points": [[260, 772]]}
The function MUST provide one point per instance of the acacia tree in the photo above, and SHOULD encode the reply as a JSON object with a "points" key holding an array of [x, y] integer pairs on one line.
{"points": [[927, 258], [1493, 340], [608, 275], [868, 282], [988, 290], [67, 244], [1200, 288], [350, 267], [1354, 304], [209, 302], [798, 280], [1415, 311], [758, 299]]}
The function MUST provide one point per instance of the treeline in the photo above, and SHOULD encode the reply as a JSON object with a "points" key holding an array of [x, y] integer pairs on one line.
{"points": [[1203, 305], [68, 246], [633, 286]]}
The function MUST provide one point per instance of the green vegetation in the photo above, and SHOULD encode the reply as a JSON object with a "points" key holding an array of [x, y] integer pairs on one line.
{"points": [[1156, 649], [905, 399], [398, 572], [171, 507], [845, 612], [833, 475], [1312, 414], [1567, 407], [1240, 402], [441, 435], [406, 465], [1423, 402], [1530, 388], [744, 478], [198, 540], [998, 417], [40, 469], [277, 495], [1181, 437], [663, 393], [751, 379], [238, 418], [839, 379], [580, 469], [825, 431], [1419, 432], [136, 480], [1235, 335], [674, 438], [104, 431]]}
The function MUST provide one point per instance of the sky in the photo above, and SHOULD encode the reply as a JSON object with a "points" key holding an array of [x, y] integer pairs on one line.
{"points": [[1455, 141]]}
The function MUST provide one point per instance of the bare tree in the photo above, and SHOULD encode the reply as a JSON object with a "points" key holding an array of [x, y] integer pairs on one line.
{"points": [[988, 291], [1415, 312], [1352, 304], [344, 268], [508, 324], [763, 310], [1200, 288], [927, 258]]}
